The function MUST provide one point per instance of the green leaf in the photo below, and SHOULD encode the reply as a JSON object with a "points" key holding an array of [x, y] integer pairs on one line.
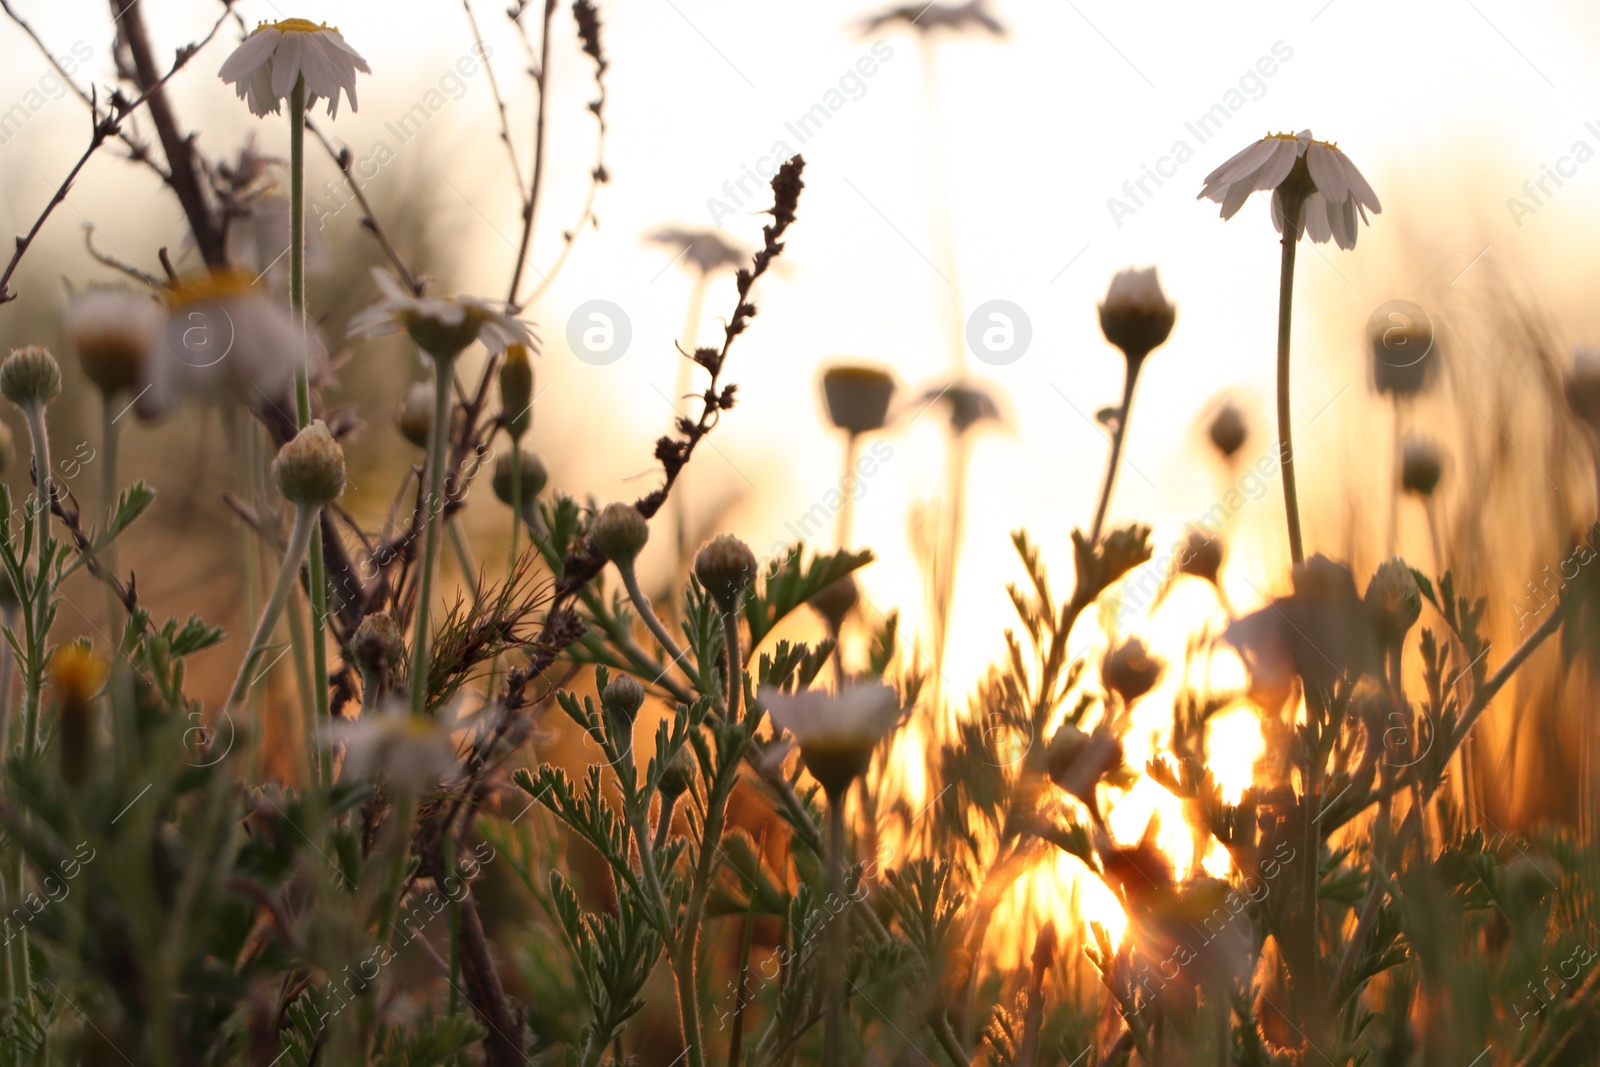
{"points": [[789, 584]]}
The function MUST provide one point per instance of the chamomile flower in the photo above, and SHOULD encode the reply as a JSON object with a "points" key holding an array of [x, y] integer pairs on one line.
{"points": [[265, 68], [836, 732], [113, 330], [1294, 165], [225, 339], [441, 326]]}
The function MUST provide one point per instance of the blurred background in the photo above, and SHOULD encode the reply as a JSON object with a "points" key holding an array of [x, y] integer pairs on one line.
{"points": [[968, 166]]}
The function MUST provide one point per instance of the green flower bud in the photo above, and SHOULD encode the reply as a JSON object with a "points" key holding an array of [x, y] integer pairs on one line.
{"points": [[414, 417], [677, 777], [623, 697], [534, 477], [1228, 431], [310, 469], [835, 602], [726, 567], [516, 391], [1130, 671], [378, 645], [619, 532], [1394, 598], [1420, 467], [30, 376]]}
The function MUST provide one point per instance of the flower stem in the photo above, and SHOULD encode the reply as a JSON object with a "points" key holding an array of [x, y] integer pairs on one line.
{"points": [[297, 245], [305, 521], [302, 407], [641, 604], [1292, 209], [438, 437], [39, 605], [832, 1037], [108, 502], [730, 641], [1129, 379]]}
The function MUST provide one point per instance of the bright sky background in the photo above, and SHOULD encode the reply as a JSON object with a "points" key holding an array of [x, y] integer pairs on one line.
{"points": [[1447, 107]]}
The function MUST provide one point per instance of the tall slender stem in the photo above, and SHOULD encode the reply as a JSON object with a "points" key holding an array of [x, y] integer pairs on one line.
{"points": [[641, 604], [1129, 379], [730, 642], [40, 603], [832, 1036], [1292, 208], [305, 521], [438, 437], [852, 449], [108, 503]]}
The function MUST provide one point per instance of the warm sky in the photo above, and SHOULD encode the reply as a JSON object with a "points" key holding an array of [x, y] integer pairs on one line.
{"points": [[1447, 108]]}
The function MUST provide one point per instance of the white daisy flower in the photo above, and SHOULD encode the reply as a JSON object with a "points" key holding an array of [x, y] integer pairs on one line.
{"points": [[266, 66], [836, 731], [441, 326], [409, 753], [225, 339], [113, 330], [1295, 165]]}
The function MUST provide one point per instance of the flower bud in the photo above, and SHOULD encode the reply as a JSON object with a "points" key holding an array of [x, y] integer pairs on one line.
{"points": [[310, 469], [30, 377], [1395, 599], [1130, 671], [857, 397], [1228, 430], [414, 417], [835, 602], [76, 675], [379, 647], [534, 477], [1136, 315], [726, 567], [619, 532], [1420, 467], [623, 697], [677, 777], [1201, 556], [1402, 354], [516, 391], [8, 447]]}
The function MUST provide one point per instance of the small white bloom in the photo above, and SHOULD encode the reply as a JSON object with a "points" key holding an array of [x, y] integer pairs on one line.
{"points": [[411, 754], [836, 732], [266, 66], [113, 330], [1334, 190], [225, 339], [441, 326]]}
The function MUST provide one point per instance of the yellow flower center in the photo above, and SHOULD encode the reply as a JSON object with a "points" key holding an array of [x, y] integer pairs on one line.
{"points": [[296, 26], [212, 286], [1295, 137]]}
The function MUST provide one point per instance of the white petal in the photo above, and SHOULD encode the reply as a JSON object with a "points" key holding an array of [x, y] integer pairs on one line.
{"points": [[1277, 166], [1343, 217], [1242, 163], [1237, 194], [254, 53], [1327, 173], [1316, 218], [286, 64], [1358, 185]]}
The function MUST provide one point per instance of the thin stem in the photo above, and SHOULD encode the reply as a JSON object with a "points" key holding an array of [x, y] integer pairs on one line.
{"points": [[832, 1036], [437, 440], [531, 205], [664, 822], [852, 448], [108, 502], [730, 641], [1129, 379], [641, 604], [458, 544], [1292, 208], [297, 246], [288, 572], [516, 502], [40, 604]]}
